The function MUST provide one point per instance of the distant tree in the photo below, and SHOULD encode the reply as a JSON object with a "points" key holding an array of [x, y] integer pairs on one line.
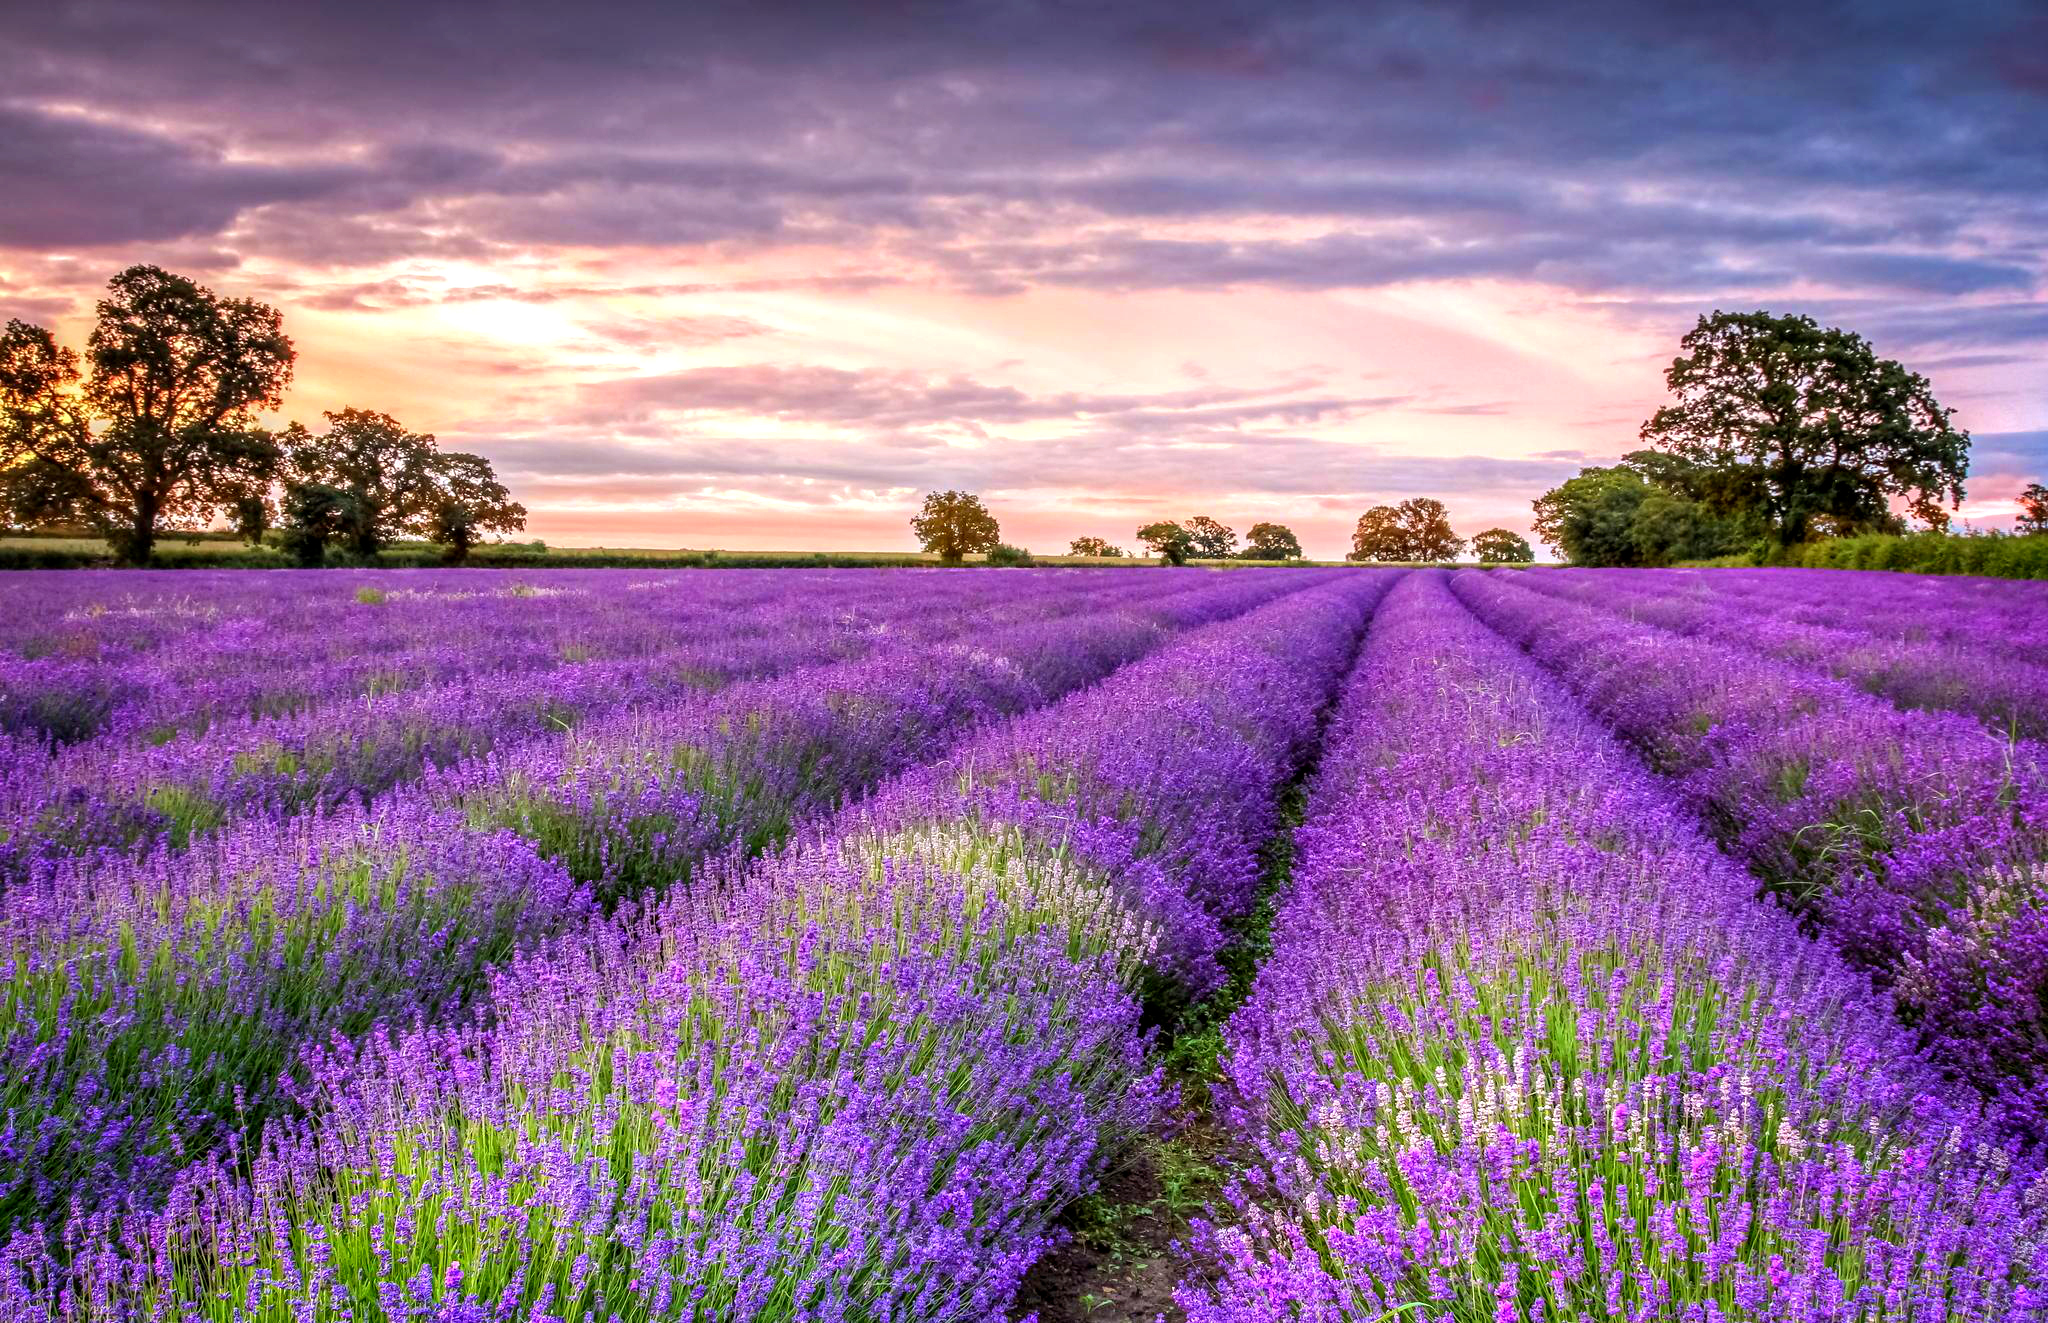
{"points": [[468, 500], [1590, 519], [367, 481], [1210, 540], [1812, 416], [2033, 510], [161, 429], [1643, 512], [1427, 528], [1003, 554], [1379, 536], [315, 516], [1271, 542], [1092, 546], [955, 524], [1502, 546], [1168, 540], [386, 473]]}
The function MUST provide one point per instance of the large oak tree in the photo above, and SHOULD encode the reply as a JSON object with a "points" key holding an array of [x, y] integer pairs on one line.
{"points": [[1813, 418], [955, 524], [160, 428]]}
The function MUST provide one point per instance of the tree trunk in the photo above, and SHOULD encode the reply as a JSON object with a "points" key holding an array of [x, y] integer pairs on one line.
{"points": [[136, 544]]}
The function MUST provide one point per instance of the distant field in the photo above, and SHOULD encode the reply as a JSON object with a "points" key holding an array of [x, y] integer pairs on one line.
{"points": [[213, 551]]}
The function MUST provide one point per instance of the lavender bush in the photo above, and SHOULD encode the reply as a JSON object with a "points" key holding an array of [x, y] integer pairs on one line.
{"points": [[1527, 1049], [858, 1082], [1916, 838], [1872, 632]]}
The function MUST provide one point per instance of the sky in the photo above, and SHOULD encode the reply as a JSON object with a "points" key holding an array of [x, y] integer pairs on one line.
{"points": [[756, 276]]}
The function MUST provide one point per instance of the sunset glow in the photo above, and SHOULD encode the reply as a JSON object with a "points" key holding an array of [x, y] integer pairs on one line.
{"points": [[758, 277]]}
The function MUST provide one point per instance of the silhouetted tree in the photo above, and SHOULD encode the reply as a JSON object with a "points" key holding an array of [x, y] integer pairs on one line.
{"points": [[386, 472], [367, 481], [1379, 536], [1271, 542], [955, 524], [2033, 510], [1168, 540], [1092, 546], [1427, 527], [1209, 539], [1502, 546], [468, 500], [1814, 417], [160, 430], [314, 516]]}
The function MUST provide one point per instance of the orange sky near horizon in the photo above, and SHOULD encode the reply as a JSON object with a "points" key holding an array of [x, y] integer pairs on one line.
{"points": [[755, 280]]}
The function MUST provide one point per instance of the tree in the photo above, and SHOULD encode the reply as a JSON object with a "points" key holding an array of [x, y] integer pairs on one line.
{"points": [[161, 429], [1590, 519], [1502, 546], [2033, 510], [1169, 540], [367, 482], [1092, 546], [1427, 527], [1644, 513], [1004, 555], [314, 516], [1379, 536], [953, 524], [468, 499], [385, 472], [1272, 542], [1810, 414], [1210, 540]]}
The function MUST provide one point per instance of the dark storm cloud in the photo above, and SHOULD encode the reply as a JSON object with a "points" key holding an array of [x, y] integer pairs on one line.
{"points": [[1880, 150]]}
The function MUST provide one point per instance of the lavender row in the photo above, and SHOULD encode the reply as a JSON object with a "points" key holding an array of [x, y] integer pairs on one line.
{"points": [[636, 802], [1527, 1048], [155, 1001], [2002, 615], [857, 1083], [136, 655], [1972, 670], [1916, 839], [111, 795]]}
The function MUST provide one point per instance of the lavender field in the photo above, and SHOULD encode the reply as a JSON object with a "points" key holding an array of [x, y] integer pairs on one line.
{"points": [[820, 945]]}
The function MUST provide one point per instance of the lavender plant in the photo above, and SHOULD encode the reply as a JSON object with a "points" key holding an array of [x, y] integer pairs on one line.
{"points": [[1915, 838], [1528, 1049]]}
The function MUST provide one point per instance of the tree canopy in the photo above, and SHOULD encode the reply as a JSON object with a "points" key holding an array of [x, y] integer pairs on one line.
{"points": [[1650, 509], [1168, 540], [1811, 420], [1271, 542], [1418, 529], [1092, 546], [367, 481], [160, 429], [1209, 539], [2033, 510], [1502, 546], [955, 525]]}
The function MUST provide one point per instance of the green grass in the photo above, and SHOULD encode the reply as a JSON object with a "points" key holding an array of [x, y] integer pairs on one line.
{"points": [[1993, 555]]}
